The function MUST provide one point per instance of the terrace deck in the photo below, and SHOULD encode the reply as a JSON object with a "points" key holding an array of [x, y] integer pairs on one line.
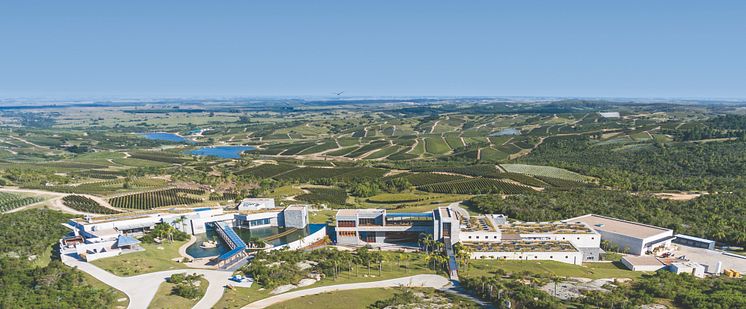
{"points": [[545, 228], [522, 246], [476, 224]]}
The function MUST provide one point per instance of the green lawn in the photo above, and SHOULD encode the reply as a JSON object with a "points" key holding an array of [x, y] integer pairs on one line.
{"points": [[363, 298], [239, 297], [164, 299], [342, 299], [148, 261], [281, 193], [321, 216], [588, 270]]}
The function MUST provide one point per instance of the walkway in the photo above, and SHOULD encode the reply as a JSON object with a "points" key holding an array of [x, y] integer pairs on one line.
{"points": [[141, 289], [428, 281]]}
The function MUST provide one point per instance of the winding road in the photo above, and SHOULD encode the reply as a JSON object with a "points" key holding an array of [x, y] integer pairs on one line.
{"points": [[141, 289], [427, 281]]}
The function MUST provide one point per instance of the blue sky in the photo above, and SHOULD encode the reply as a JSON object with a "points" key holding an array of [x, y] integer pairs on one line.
{"points": [[369, 48]]}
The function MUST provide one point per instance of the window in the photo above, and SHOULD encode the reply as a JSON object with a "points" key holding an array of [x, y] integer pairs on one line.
{"points": [[551, 256], [567, 257], [495, 237], [259, 222], [593, 237], [469, 237], [578, 238], [346, 223], [347, 234], [477, 236], [367, 221]]}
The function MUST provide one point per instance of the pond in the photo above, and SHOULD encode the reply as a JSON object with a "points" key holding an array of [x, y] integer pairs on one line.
{"points": [[225, 152], [163, 136], [246, 235]]}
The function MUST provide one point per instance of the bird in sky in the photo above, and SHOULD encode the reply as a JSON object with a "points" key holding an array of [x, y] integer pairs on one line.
{"points": [[339, 93]]}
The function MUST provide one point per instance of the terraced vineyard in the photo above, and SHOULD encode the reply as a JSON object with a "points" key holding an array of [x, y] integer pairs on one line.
{"points": [[105, 187], [476, 186], [267, 170], [338, 173], [333, 196], [421, 179], [160, 157], [223, 197], [545, 171], [155, 199], [10, 201], [480, 170], [87, 205]]}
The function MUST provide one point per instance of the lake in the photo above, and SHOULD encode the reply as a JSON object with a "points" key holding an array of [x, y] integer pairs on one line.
{"points": [[163, 136], [225, 152]]}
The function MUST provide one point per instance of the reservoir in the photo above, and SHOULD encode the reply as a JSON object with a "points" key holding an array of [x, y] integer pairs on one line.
{"points": [[225, 152]]}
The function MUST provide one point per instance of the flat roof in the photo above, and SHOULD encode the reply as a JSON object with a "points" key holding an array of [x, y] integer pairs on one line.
{"points": [[642, 260], [355, 212], [522, 246], [619, 226], [694, 238], [546, 228], [445, 212], [410, 214], [295, 207]]}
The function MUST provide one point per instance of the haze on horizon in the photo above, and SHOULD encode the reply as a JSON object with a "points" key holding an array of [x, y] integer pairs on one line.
{"points": [[414, 48]]}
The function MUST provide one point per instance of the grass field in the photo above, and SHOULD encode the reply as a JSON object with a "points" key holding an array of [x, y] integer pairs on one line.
{"points": [[148, 261], [165, 300], [321, 216], [588, 270], [243, 296], [342, 299]]}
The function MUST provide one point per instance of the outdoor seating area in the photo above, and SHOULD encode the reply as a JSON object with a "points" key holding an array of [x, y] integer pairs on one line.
{"points": [[476, 224], [546, 228], [522, 246]]}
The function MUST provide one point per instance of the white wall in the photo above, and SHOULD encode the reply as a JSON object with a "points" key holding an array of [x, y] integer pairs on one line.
{"points": [[564, 257], [304, 242], [479, 236], [577, 240]]}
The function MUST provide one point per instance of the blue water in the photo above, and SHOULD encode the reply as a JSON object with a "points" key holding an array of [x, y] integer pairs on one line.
{"points": [[163, 136], [508, 131], [245, 234], [225, 152]]}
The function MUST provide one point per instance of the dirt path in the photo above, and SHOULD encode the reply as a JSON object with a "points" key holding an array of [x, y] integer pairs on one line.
{"points": [[432, 129], [27, 142], [55, 201]]}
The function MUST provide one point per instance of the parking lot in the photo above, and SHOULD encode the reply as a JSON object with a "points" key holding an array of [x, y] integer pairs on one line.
{"points": [[710, 258]]}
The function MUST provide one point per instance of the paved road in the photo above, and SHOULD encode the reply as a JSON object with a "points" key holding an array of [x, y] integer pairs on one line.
{"points": [[429, 281], [141, 289]]}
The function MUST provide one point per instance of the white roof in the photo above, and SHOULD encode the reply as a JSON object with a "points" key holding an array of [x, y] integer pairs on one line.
{"points": [[620, 227], [694, 238]]}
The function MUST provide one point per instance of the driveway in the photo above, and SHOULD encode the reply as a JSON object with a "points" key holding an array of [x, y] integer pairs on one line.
{"points": [[141, 289], [428, 281]]}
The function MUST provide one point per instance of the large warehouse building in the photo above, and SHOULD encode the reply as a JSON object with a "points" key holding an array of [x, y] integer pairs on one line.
{"points": [[634, 237]]}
